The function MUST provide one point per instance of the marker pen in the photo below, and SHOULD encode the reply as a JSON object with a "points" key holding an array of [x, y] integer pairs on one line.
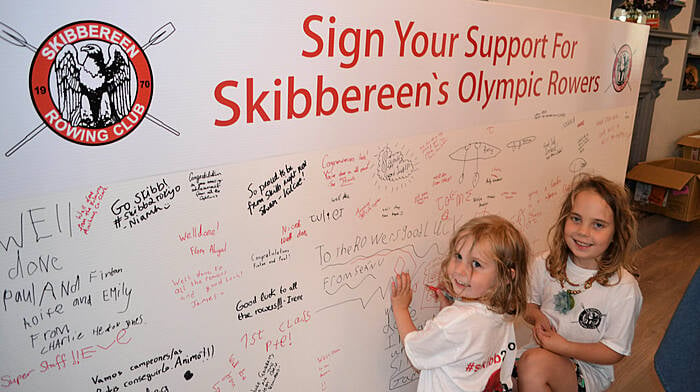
{"points": [[444, 292]]}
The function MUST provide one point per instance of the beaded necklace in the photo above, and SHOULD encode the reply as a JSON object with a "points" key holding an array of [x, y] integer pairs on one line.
{"points": [[564, 300]]}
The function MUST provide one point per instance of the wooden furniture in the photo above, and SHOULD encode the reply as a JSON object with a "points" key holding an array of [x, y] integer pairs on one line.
{"points": [[691, 58], [652, 80]]}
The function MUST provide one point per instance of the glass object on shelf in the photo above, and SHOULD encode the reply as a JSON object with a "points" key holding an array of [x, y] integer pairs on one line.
{"points": [[620, 14], [629, 12], [643, 11], [653, 18]]}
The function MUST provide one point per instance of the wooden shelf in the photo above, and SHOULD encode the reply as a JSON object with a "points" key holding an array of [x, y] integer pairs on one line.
{"points": [[674, 4], [689, 94], [668, 34]]}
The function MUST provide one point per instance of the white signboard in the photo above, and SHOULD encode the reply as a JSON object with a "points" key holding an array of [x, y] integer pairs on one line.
{"points": [[216, 195]]}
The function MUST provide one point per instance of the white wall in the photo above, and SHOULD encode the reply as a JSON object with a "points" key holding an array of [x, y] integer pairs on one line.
{"points": [[599, 8]]}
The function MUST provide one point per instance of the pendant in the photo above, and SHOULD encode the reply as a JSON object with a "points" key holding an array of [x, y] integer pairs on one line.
{"points": [[564, 301]]}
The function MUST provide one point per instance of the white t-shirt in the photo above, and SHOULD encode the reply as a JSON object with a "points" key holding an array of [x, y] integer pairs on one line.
{"points": [[605, 314], [463, 348]]}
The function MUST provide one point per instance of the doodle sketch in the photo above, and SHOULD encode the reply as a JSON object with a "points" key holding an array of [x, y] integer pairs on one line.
{"points": [[474, 152]]}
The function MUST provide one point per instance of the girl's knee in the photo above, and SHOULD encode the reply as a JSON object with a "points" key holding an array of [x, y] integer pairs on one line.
{"points": [[538, 362], [533, 356], [542, 370]]}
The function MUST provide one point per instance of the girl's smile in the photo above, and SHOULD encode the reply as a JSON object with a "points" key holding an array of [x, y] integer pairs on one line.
{"points": [[589, 228], [472, 271]]}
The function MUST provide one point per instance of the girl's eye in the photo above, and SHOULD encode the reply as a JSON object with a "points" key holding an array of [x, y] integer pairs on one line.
{"points": [[575, 219], [598, 225], [476, 264], [458, 256]]}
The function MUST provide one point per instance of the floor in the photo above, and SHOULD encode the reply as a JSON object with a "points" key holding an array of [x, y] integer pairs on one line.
{"points": [[665, 267]]}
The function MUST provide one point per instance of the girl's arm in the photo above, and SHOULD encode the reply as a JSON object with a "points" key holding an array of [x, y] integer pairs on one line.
{"points": [[589, 352], [534, 316], [401, 295]]}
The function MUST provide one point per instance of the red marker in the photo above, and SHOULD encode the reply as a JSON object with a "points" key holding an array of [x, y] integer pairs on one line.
{"points": [[444, 292]]}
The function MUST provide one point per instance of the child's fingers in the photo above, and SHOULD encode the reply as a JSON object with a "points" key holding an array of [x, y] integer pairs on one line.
{"points": [[547, 326], [434, 294], [405, 281], [540, 333], [400, 282], [540, 338], [546, 334]]}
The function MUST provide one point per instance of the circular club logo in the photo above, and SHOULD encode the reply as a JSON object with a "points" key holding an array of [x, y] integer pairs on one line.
{"points": [[622, 68], [91, 83]]}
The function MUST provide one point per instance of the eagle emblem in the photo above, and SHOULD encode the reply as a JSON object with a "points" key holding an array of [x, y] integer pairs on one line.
{"points": [[93, 89], [622, 68]]}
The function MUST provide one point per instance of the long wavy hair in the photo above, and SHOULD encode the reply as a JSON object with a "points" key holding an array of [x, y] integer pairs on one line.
{"points": [[509, 249], [618, 255]]}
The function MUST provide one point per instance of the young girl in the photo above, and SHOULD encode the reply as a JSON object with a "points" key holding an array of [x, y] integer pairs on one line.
{"points": [[583, 301], [469, 345]]}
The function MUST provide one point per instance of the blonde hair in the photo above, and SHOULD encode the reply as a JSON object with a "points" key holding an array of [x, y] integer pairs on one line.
{"points": [[509, 249], [618, 255]]}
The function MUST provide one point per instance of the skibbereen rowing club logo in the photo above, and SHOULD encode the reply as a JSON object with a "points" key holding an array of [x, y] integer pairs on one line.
{"points": [[90, 82], [622, 68]]}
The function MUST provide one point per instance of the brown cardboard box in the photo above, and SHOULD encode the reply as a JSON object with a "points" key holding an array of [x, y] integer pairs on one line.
{"points": [[669, 187], [690, 146]]}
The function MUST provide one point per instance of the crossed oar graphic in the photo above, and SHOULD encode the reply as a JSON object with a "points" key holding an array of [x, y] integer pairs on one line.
{"points": [[13, 37]]}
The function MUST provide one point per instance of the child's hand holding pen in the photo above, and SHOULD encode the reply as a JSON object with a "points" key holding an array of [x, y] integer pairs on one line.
{"points": [[441, 295]]}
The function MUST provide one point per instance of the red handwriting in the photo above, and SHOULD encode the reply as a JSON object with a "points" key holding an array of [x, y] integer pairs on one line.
{"points": [[433, 145], [295, 225], [213, 249], [204, 286], [279, 342], [607, 119], [534, 194], [366, 208], [343, 171], [552, 188], [8, 381], [199, 231], [456, 198], [204, 231], [250, 339], [421, 198], [612, 134], [290, 323], [495, 176], [287, 232], [61, 360], [441, 178], [87, 212], [509, 195], [324, 367], [229, 378]]}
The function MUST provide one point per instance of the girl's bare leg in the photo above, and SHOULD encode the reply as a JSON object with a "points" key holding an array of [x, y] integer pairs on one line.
{"points": [[542, 370]]}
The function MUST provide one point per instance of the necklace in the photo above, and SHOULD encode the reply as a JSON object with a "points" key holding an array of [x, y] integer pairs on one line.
{"points": [[564, 300]]}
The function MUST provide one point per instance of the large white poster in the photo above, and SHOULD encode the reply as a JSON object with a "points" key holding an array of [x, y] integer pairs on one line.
{"points": [[216, 195]]}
